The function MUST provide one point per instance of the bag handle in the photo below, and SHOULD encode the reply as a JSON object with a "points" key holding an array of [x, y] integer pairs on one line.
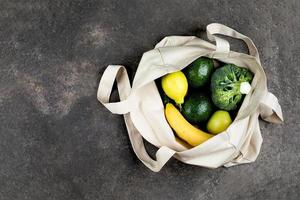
{"points": [[270, 109], [162, 155], [112, 73], [119, 73], [223, 45]]}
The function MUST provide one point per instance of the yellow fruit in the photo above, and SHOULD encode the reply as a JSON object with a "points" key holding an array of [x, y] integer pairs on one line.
{"points": [[175, 86], [219, 122], [183, 128]]}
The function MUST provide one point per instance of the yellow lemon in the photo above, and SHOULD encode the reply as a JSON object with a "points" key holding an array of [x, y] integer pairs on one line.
{"points": [[175, 86]]}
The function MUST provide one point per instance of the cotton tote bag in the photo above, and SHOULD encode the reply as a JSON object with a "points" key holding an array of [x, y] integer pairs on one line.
{"points": [[143, 110]]}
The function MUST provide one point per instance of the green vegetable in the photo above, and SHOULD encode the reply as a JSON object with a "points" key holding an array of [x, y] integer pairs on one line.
{"points": [[198, 72], [228, 84], [197, 108]]}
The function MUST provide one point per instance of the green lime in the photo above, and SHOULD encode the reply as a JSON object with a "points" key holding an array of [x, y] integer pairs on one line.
{"points": [[219, 122]]}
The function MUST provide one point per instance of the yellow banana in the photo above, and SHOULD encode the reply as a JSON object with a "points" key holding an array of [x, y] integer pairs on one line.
{"points": [[183, 128]]}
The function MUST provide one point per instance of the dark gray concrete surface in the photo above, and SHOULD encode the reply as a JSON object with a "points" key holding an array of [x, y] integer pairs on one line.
{"points": [[57, 141]]}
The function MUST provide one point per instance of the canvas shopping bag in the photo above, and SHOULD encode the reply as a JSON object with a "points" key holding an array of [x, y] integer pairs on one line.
{"points": [[143, 109]]}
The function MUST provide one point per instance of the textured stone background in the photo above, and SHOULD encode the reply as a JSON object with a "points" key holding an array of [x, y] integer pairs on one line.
{"points": [[56, 140]]}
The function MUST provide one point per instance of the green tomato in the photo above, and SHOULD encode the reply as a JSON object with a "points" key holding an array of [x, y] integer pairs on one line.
{"points": [[219, 122]]}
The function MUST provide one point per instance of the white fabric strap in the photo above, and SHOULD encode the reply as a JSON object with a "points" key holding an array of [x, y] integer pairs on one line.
{"points": [[222, 46], [270, 109], [136, 140], [119, 73], [111, 73]]}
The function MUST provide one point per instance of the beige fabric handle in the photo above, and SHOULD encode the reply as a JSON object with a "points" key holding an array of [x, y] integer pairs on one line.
{"points": [[223, 45], [270, 109], [119, 73], [111, 73]]}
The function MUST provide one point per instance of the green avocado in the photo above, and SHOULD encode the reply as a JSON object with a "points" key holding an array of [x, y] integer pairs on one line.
{"points": [[198, 72], [197, 108]]}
